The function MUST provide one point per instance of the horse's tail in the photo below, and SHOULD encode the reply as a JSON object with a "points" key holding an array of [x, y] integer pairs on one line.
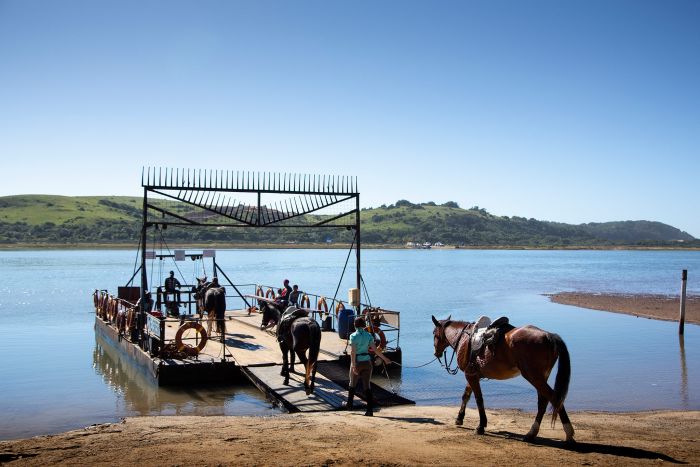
{"points": [[561, 383], [314, 347]]}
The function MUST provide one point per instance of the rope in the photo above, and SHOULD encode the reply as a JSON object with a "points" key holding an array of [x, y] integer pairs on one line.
{"points": [[386, 373], [418, 366], [364, 287], [162, 239], [136, 260]]}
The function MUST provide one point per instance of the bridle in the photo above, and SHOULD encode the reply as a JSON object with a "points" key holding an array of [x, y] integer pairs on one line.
{"points": [[447, 366]]}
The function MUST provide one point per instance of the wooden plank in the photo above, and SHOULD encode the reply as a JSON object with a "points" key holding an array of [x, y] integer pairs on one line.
{"points": [[327, 395], [331, 345], [249, 345]]}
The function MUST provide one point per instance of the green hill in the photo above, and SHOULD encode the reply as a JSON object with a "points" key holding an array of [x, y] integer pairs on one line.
{"points": [[37, 219]]}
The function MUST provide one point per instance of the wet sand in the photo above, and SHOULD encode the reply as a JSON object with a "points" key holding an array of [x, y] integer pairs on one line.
{"points": [[409, 435], [640, 305]]}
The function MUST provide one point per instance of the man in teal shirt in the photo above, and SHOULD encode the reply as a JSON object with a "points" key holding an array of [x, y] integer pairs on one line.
{"points": [[361, 344]]}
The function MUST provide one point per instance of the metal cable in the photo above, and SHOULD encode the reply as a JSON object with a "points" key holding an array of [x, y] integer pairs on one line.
{"points": [[344, 267]]}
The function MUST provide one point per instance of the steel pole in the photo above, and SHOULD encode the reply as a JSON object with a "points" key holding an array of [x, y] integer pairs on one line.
{"points": [[681, 318], [357, 248], [144, 278]]}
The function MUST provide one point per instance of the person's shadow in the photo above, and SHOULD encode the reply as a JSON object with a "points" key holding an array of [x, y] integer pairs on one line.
{"points": [[585, 448]]}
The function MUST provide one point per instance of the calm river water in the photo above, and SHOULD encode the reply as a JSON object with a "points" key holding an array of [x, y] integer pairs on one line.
{"points": [[55, 376]]}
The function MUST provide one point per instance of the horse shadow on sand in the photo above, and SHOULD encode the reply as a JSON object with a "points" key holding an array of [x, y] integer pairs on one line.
{"points": [[587, 448], [419, 420]]}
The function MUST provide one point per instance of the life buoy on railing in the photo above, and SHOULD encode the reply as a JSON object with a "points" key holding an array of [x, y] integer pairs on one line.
{"points": [[121, 321], [259, 292], [322, 306], [381, 345], [103, 305], [111, 305], [131, 319], [200, 330], [98, 308], [305, 302], [373, 319], [270, 293], [339, 307], [95, 298]]}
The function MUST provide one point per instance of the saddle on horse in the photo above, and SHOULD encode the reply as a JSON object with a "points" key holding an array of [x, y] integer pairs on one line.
{"points": [[485, 334], [288, 317]]}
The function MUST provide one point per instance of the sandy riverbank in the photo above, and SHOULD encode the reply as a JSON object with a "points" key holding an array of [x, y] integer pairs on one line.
{"points": [[409, 435], [640, 305]]}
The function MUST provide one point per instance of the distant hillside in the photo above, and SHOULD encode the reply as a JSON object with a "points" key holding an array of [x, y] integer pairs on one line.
{"points": [[116, 219], [634, 231]]}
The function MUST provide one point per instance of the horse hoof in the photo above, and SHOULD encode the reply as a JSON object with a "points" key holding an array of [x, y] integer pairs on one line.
{"points": [[459, 422], [570, 443], [528, 438], [479, 430]]}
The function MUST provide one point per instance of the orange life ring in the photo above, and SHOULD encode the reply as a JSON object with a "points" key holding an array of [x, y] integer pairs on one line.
{"points": [[322, 304], [270, 294], [339, 307], [105, 305], [99, 306], [380, 334], [200, 330], [259, 292], [305, 300], [111, 305], [121, 321], [131, 318]]}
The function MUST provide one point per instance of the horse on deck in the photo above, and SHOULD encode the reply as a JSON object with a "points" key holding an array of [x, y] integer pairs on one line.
{"points": [[211, 297], [525, 350], [303, 334]]}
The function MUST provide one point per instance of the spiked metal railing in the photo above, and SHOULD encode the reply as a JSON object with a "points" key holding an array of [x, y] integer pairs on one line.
{"points": [[209, 190]]}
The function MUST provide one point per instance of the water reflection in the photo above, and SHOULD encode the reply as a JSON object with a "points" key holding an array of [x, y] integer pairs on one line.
{"points": [[142, 396], [684, 372]]}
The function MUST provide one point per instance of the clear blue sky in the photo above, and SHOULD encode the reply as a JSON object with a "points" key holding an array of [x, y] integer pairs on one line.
{"points": [[571, 111]]}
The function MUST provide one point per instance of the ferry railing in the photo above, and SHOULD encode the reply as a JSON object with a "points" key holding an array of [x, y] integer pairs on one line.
{"points": [[123, 315], [386, 321]]}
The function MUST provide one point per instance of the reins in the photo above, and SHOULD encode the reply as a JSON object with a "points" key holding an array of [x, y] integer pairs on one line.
{"points": [[447, 366]]}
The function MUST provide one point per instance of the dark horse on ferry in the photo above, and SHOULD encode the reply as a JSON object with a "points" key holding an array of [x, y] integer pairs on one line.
{"points": [[303, 334], [527, 350], [211, 298]]}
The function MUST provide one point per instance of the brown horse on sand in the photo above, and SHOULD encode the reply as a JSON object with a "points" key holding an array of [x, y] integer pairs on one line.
{"points": [[526, 350]]}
